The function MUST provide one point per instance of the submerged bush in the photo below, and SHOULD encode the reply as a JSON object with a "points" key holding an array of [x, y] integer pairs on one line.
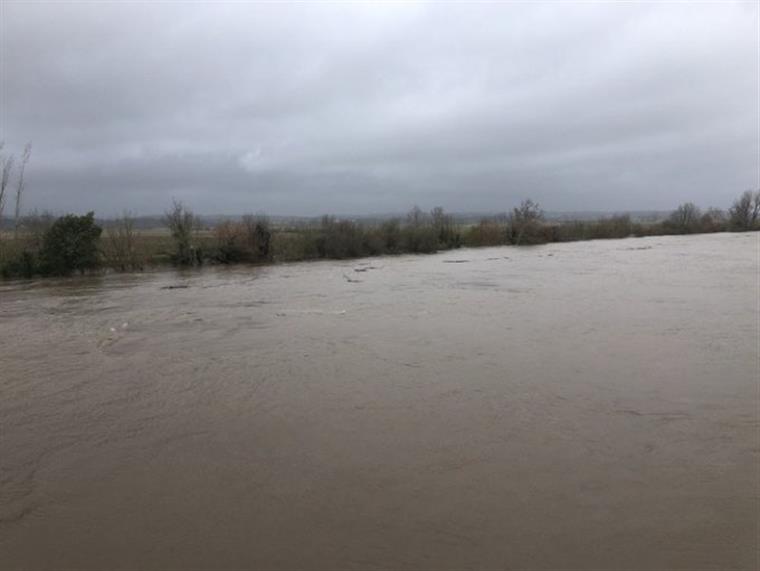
{"points": [[487, 232], [420, 239], [249, 240], [340, 239], [619, 226], [714, 220], [230, 246], [121, 253], [389, 235], [258, 237], [22, 264], [526, 224], [445, 230], [418, 235], [291, 245]]}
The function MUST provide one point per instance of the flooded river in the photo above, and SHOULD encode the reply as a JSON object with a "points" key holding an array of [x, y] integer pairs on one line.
{"points": [[572, 406]]}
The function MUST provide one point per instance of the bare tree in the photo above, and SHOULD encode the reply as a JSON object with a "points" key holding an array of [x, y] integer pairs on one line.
{"points": [[20, 187], [528, 211], [121, 237], [525, 222], [415, 217], [258, 234], [35, 225], [745, 211], [713, 220], [443, 225], [419, 234], [685, 218], [182, 225], [229, 242], [6, 168]]}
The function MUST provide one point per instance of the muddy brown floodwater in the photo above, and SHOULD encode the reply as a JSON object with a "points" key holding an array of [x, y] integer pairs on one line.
{"points": [[571, 406]]}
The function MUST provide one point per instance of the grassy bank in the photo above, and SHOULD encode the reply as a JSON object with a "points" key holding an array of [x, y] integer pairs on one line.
{"points": [[45, 245]]}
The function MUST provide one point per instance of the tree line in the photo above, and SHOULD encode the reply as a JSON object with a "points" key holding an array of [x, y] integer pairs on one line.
{"points": [[41, 244]]}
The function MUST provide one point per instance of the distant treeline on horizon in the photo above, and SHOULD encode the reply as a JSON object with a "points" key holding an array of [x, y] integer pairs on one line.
{"points": [[153, 221]]}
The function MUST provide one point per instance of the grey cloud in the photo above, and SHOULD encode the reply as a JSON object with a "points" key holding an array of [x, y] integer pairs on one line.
{"points": [[307, 108]]}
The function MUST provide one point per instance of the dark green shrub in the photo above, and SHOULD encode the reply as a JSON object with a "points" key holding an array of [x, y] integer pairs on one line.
{"points": [[24, 264], [70, 245]]}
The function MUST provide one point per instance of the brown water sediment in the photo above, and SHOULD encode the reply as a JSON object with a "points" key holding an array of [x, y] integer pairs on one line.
{"points": [[571, 406]]}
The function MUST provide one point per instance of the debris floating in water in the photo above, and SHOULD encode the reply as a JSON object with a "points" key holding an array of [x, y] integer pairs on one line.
{"points": [[297, 312], [179, 286]]}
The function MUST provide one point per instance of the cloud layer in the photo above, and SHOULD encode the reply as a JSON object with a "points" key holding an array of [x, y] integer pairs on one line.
{"points": [[362, 108]]}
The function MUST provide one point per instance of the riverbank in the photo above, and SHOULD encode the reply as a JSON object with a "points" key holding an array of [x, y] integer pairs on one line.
{"points": [[123, 249]]}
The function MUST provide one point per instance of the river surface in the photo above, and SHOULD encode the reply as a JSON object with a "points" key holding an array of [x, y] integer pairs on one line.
{"points": [[591, 405]]}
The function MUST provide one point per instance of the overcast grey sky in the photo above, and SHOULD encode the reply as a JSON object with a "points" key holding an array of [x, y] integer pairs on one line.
{"points": [[366, 108]]}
